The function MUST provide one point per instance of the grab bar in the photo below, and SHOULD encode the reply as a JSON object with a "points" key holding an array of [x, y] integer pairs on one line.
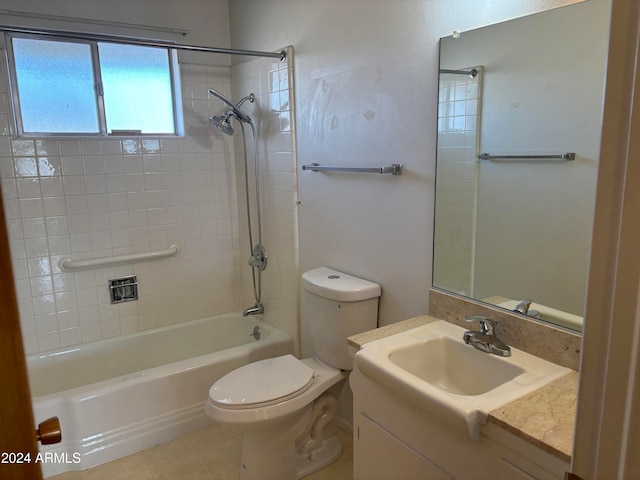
{"points": [[394, 169], [563, 156], [69, 264]]}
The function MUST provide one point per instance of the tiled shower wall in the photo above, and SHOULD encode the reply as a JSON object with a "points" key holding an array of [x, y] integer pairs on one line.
{"points": [[101, 197], [272, 83], [458, 123]]}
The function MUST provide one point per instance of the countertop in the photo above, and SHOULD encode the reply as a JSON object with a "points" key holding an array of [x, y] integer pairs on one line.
{"points": [[544, 418]]}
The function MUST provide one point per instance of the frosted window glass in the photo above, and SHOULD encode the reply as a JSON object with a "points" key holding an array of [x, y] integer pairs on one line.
{"points": [[137, 88], [56, 86]]}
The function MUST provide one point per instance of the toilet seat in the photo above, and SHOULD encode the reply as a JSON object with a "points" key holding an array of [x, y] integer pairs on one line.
{"points": [[262, 383]]}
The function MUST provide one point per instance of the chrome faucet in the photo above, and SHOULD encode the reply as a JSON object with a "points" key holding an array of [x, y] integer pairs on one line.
{"points": [[257, 309], [485, 339], [523, 307]]}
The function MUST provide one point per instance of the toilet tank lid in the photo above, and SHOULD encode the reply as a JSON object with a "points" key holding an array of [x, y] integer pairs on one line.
{"points": [[328, 283]]}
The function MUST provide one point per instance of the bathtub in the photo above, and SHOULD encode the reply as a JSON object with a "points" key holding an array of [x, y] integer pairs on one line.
{"points": [[118, 396]]}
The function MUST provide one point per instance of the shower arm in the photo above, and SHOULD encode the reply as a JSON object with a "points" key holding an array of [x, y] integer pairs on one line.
{"points": [[236, 108], [251, 97]]}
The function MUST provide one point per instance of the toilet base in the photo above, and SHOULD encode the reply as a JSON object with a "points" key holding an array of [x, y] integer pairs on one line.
{"points": [[327, 454], [271, 455], [272, 458]]}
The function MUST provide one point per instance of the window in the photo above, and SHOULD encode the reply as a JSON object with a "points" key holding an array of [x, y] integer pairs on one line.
{"points": [[77, 87]]}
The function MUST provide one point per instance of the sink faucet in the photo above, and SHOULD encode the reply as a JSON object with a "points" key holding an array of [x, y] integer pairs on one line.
{"points": [[257, 309], [523, 307], [485, 339]]}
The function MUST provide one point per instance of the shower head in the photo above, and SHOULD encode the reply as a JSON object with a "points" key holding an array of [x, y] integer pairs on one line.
{"points": [[239, 114], [222, 123]]}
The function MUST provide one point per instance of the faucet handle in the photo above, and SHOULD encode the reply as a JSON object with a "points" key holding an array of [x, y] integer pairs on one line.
{"points": [[487, 325]]}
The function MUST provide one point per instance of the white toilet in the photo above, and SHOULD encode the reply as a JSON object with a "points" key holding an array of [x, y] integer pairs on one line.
{"points": [[284, 404]]}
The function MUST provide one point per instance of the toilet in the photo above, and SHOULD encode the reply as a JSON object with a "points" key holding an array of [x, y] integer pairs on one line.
{"points": [[283, 405]]}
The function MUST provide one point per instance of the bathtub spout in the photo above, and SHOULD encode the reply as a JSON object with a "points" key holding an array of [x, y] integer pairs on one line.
{"points": [[255, 310]]}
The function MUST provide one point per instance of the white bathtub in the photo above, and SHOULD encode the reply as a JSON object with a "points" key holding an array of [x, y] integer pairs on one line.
{"points": [[118, 396]]}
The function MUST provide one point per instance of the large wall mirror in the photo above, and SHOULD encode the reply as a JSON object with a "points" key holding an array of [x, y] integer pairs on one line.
{"points": [[512, 230]]}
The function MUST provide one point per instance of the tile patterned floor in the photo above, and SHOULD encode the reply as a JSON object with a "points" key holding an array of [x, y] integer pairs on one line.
{"points": [[209, 454]]}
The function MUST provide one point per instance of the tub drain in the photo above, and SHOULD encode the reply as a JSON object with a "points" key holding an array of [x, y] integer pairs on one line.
{"points": [[256, 333]]}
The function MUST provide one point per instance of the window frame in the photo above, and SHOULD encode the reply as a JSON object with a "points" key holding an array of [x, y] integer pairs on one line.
{"points": [[176, 97]]}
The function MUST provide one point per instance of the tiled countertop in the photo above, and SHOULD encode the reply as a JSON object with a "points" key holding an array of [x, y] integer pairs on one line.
{"points": [[544, 418]]}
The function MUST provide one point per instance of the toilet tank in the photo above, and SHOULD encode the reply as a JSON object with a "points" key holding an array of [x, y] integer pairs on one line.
{"points": [[334, 306]]}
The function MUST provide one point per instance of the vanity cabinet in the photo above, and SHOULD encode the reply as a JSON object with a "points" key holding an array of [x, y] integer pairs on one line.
{"points": [[519, 460], [394, 438], [384, 456]]}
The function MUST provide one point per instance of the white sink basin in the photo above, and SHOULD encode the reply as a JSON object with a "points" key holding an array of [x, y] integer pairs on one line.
{"points": [[452, 366], [432, 367]]}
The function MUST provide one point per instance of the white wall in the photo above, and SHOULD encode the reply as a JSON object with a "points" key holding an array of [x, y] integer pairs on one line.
{"points": [[366, 94]]}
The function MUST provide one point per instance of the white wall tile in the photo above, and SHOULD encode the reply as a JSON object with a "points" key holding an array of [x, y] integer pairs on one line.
{"points": [[70, 336], [48, 341], [278, 192], [93, 163], [86, 198], [69, 147], [72, 165], [455, 210]]}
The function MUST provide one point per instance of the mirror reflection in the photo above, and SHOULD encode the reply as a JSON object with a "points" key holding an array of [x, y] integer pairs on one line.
{"points": [[512, 230]]}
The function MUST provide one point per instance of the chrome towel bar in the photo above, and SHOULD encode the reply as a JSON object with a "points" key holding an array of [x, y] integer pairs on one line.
{"points": [[395, 169], [473, 73], [563, 156], [68, 264]]}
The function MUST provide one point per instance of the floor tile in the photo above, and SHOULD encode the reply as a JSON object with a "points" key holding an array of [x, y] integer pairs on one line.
{"points": [[209, 454]]}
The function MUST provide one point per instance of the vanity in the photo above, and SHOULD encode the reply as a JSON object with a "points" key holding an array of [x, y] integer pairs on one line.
{"points": [[400, 434], [514, 191]]}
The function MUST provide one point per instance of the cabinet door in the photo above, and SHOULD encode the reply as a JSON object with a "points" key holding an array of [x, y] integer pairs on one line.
{"points": [[517, 459], [381, 456], [513, 467]]}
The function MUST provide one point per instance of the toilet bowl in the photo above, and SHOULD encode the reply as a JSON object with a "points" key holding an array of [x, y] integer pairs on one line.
{"points": [[284, 405], [283, 416]]}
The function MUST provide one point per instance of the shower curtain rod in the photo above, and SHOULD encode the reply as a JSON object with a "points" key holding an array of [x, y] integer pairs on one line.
{"points": [[140, 41]]}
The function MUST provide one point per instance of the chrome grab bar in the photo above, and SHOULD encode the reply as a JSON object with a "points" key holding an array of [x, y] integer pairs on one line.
{"points": [[562, 156], [394, 169]]}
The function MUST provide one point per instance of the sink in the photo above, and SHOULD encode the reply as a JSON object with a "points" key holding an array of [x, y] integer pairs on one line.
{"points": [[433, 368], [452, 366]]}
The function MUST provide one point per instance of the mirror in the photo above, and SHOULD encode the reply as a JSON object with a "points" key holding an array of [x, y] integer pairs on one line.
{"points": [[514, 228]]}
